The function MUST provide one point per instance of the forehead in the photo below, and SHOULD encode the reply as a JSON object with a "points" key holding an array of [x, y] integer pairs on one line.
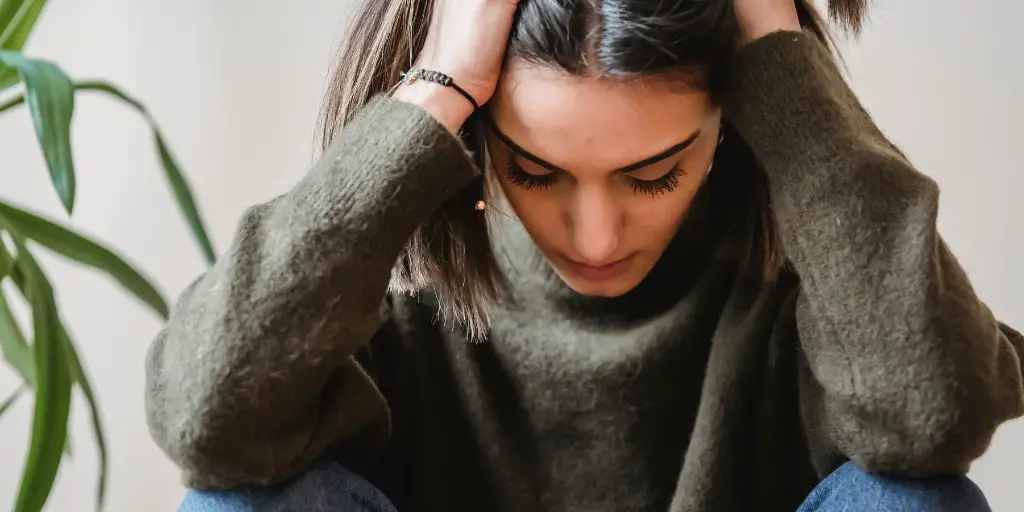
{"points": [[568, 120]]}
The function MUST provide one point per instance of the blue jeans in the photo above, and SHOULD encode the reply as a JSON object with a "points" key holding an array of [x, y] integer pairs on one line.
{"points": [[330, 488]]}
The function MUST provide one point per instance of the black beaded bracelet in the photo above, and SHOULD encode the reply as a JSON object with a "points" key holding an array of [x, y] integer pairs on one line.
{"points": [[437, 77]]}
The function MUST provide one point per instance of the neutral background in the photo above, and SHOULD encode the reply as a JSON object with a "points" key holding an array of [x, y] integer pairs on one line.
{"points": [[236, 86]]}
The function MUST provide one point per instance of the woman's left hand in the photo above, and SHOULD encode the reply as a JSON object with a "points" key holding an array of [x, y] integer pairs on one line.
{"points": [[758, 18]]}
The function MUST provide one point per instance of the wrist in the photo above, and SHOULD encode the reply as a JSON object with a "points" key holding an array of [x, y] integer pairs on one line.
{"points": [[445, 104], [770, 24]]}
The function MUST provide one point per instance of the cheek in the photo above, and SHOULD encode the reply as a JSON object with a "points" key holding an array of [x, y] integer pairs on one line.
{"points": [[657, 220], [651, 223], [540, 211]]}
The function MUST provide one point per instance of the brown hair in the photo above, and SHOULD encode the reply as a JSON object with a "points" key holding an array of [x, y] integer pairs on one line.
{"points": [[450, 252]]}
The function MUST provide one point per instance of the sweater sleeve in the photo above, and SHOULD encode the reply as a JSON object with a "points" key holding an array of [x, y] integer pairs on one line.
{"points": [[254, 375], [910, 373]]}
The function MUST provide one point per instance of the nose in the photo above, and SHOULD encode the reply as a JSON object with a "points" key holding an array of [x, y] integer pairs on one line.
{"points": [[595, 224]]}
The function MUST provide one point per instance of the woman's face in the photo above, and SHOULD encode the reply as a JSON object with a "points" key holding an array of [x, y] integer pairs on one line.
{"points": [[601, 173]]}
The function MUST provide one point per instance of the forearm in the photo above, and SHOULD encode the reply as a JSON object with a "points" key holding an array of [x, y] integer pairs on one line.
{"points": [[248, 380], [916, 371]]}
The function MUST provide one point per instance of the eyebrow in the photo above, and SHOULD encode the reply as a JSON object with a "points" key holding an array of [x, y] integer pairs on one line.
{"points": [[515, 148]]}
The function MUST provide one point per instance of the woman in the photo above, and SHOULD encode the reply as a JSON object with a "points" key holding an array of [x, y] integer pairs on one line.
{"points": [[693, 276]]}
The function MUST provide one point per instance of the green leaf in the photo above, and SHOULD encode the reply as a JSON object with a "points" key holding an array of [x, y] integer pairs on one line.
{"points": [[9, 401], [182, 191], [83, 250], [78, 375], [51, 101], [13, 102], [8, 77], [17, 19], [15, 348], [53, 392], [12, 341], [172, 172], [6, 260]]}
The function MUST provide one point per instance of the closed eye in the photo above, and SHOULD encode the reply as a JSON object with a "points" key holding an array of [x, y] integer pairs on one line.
{"points": [[517, 176], [667, 182], [661, 185]]}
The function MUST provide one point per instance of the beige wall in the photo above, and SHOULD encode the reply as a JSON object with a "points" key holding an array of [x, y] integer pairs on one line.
{"points": [[236, 85]]}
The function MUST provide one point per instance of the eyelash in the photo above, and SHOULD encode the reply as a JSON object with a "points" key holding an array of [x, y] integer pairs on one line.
{"points": [[663, 185]]}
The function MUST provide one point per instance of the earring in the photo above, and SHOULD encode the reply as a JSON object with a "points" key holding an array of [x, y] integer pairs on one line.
{"points": [[480, 206]]}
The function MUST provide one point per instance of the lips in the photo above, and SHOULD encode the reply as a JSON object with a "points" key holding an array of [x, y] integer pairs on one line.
{"points": [[603, 272]]}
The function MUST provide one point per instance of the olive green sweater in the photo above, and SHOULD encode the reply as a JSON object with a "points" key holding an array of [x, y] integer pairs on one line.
{"points": [[703, 390]]}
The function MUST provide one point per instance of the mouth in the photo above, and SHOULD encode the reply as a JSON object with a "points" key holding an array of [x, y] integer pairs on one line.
{"points": [[601, 272]]}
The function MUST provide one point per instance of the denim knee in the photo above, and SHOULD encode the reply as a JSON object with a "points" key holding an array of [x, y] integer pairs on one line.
{"points": [[851, 489], [327, 487]]}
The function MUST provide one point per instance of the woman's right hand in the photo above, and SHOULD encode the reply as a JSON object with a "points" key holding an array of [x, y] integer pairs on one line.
{"points": [[466, 40]]}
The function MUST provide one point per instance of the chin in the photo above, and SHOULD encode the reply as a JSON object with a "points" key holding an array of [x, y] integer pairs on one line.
{"points": [[606, 288]]}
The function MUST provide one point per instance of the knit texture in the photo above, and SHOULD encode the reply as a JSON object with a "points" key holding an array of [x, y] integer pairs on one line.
{"points": [[705, 389]]}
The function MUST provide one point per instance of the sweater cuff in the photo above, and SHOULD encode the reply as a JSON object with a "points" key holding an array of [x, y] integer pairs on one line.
{"points": [[395, 164], [788, 100]]}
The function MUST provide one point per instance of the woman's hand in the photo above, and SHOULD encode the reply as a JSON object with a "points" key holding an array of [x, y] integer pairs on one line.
{"points": [[466, 41], [758, 18]]}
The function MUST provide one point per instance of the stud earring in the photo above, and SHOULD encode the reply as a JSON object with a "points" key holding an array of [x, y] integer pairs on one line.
{"points": [[480, 206]]}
